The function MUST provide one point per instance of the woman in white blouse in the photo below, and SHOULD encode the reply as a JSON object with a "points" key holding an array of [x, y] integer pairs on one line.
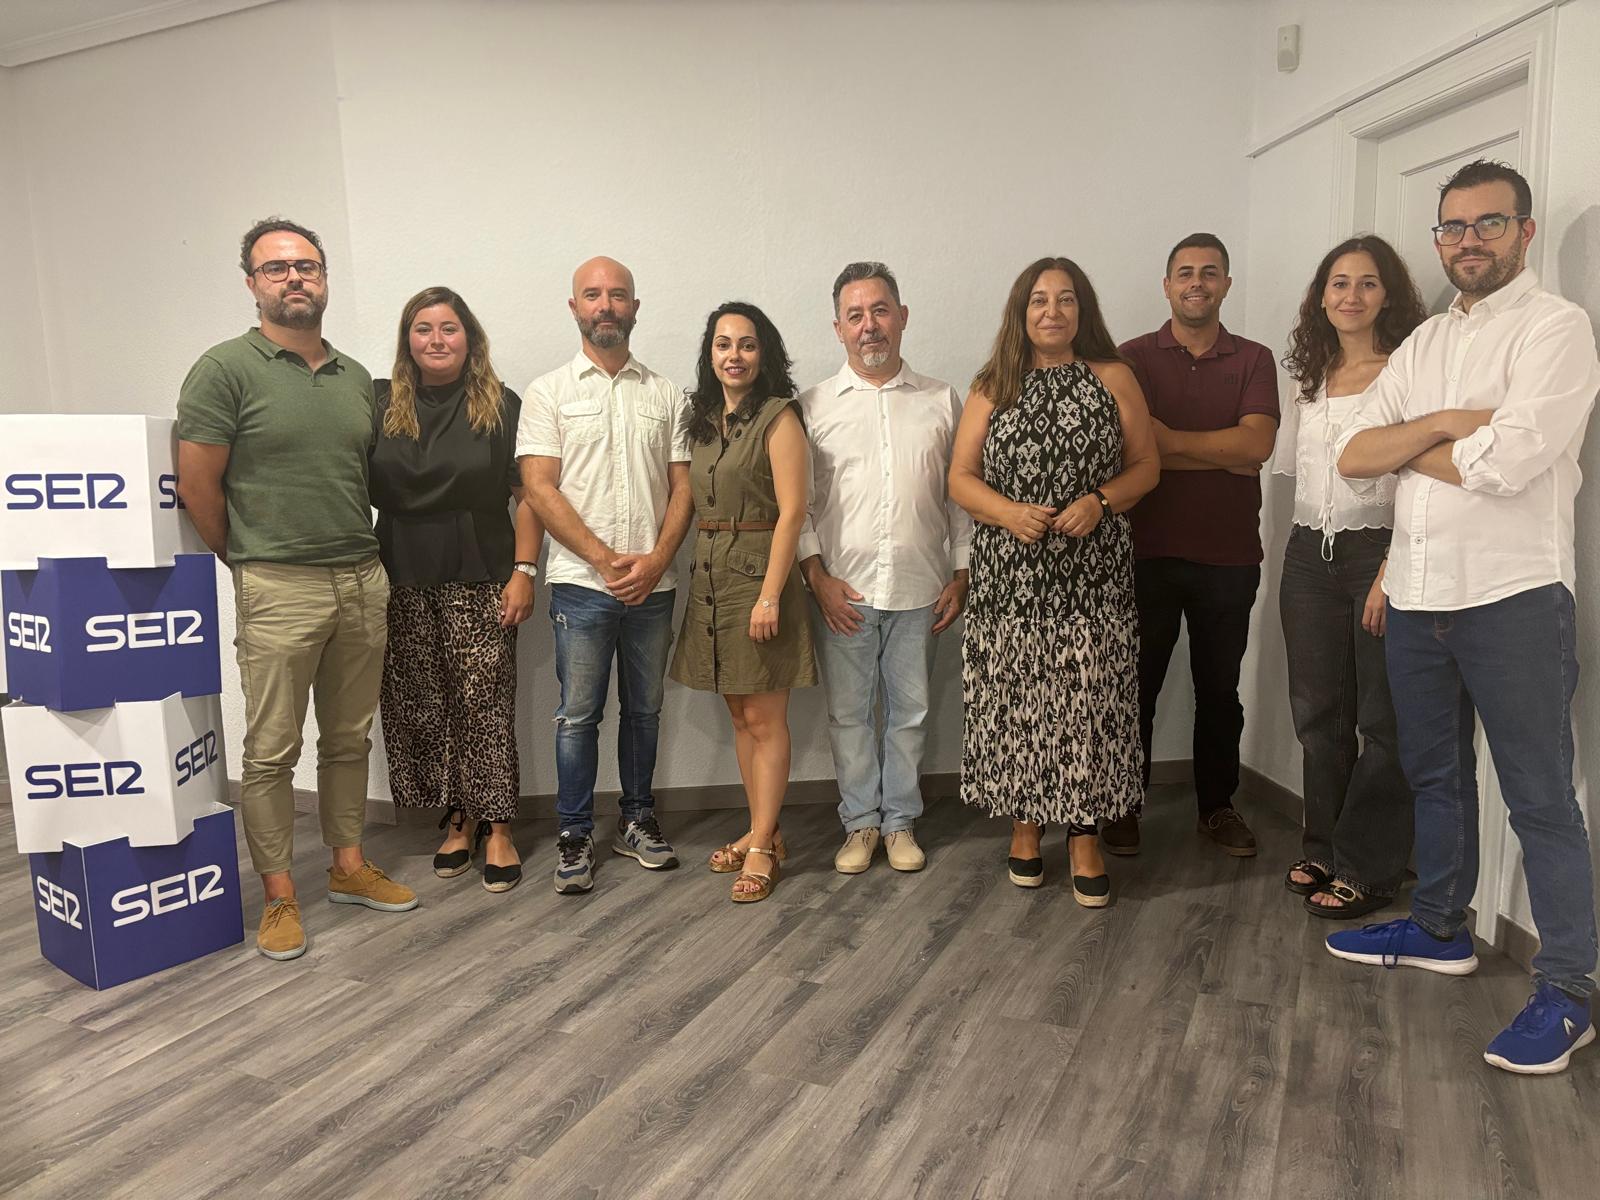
{"points": [[1361, 304]]}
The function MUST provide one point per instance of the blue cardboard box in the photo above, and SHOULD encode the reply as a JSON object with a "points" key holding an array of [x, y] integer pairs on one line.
{"points": [[80, 634], [111, 912]]}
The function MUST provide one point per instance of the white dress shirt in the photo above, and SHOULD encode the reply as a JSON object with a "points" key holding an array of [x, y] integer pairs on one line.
{"points": [[881, 514], [1323, 499], [1530, 356], [614, 437]]}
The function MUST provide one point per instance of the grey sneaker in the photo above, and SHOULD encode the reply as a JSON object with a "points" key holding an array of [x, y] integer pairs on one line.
{"points": [[574, 863], [641, 839]]}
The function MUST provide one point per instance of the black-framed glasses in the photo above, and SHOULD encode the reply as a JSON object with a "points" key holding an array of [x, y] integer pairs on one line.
{"points": [[277, 270], [1489, 228]]}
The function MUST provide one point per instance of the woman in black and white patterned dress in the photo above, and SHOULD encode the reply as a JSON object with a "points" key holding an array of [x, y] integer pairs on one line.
{"points": [[1055, 445]]}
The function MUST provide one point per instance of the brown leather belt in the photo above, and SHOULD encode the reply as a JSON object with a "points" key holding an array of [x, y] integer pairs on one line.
{"points": [[732, 526]]}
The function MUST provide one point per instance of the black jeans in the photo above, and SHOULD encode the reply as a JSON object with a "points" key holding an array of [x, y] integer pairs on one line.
{"points": [[1357, 803], [1216, 603]]}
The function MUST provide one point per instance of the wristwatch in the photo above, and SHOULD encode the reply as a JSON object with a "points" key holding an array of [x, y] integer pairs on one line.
{"points": [[1105, 505], [531, 570]]}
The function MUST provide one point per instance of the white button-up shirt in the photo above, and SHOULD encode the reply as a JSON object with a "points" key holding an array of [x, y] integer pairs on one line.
{"points": [[1323, 499], [614, 436], [880, 512], [1530, 356]]}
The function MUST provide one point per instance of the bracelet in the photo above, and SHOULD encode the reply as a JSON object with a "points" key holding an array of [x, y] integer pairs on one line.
{"points": [[765, 603], [1105, 505]]}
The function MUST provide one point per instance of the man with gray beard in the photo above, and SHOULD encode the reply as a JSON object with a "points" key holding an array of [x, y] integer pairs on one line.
{"points": [[274, 428], [605, 462], [884, 552]]}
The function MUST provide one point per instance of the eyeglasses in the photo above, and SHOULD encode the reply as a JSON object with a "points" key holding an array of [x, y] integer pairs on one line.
{"points": [[307, 268], [1489, 228]]}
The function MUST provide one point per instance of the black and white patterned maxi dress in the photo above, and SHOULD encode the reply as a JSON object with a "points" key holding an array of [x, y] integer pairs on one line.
{"points": [[1050, 654]]}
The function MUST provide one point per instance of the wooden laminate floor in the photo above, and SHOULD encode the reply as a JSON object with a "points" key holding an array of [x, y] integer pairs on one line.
{"points": [[934, 1035]]}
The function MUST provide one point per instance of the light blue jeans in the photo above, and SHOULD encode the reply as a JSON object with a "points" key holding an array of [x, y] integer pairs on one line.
{"points": [[878, 772]]}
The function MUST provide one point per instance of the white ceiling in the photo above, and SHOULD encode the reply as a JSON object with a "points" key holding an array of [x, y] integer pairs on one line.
{"points": [[31, 30]]}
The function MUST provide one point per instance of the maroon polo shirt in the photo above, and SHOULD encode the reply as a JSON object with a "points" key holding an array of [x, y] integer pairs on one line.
{"points": [[1209, 517]]}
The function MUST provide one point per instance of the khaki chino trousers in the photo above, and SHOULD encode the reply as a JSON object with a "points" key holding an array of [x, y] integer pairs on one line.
{"points": [[307, 634]]}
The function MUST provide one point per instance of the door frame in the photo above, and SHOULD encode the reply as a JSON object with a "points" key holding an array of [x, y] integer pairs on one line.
{"points": [[1524, 51]]}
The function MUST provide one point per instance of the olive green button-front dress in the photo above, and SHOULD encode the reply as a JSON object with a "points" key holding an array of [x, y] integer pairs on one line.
{"points": [[731, 479]]}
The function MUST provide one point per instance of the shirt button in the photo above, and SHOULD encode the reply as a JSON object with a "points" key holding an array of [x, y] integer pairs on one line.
{"points": [[711, 631], [1417, 541]]}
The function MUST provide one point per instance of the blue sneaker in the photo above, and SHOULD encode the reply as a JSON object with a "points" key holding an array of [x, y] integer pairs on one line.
{"points": [[1542, 1038], [1404, 943]]}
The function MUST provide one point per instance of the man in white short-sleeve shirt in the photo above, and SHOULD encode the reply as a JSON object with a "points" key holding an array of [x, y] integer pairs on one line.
{"points": [[884, 552], [605, 462], [1482, 412]]}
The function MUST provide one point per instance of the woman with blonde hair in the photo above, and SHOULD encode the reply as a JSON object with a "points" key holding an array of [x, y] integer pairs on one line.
{"points": [[461, 569], [1055, 445]]}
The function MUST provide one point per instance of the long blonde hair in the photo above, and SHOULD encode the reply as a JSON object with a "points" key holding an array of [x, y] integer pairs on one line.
{"points": [[484, 389]]}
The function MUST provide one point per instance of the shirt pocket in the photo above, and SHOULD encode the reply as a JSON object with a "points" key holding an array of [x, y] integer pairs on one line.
{"points": [[583, 422], [654, 421]]}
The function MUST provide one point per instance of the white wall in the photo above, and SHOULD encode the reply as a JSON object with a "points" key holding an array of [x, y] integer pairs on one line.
{"points": [[24, 385], [720, 149], [1291, 190]]}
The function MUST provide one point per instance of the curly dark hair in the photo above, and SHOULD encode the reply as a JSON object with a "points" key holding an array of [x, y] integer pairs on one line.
{"points": [[706, 402], [275, 225], [1314, 343]]}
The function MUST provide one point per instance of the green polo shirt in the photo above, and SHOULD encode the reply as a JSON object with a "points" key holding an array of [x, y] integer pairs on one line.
{"points": [[296, 482]]}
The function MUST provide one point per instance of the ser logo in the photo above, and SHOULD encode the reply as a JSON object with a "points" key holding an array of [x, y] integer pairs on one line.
{"points": [[143, 631], [58, 902], [29, 490], [194, 758], [167, 485], [84, 780], [28, 632], [159, 896]]}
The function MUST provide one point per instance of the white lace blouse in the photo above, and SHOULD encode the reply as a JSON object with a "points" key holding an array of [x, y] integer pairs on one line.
{"points": [[1323, 500]]}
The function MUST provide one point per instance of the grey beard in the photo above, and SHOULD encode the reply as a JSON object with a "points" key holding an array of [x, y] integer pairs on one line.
{"points": [[606, 339], [874, 358]]}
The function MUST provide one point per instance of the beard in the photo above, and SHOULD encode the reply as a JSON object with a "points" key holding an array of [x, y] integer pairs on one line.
{"points": [[278, 310], [875, 357], [1497, 272], [606, 339]]}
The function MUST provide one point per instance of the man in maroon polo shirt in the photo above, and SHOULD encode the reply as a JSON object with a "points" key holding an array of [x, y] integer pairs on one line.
{"points": [[1197, 536]]}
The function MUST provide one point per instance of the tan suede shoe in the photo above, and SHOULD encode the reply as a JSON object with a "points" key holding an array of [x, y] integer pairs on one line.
{"points": [[855, 856], [371, 887], [281, 935], [904, 853]]}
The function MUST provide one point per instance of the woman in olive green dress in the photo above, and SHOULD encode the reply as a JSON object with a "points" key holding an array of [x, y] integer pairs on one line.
{"points": [[745, 630]]}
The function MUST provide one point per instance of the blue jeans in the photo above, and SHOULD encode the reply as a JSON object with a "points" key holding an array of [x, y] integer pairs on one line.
{"points": [[1515, 662], [592, 628], [879, 776]]}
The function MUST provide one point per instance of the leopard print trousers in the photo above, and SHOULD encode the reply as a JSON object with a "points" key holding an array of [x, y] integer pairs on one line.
{"points": [[449, 701]]}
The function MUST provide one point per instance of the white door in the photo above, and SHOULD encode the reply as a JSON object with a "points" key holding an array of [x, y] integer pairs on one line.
{"points": [[1403, 172], [1412, 162]]}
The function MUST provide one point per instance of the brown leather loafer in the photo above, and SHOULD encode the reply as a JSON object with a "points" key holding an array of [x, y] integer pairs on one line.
{"points": [[1120, 836], [1227, 829]]}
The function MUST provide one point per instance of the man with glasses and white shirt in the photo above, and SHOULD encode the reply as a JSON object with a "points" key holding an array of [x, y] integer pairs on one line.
{"points": [[605, 462], [1482, 411], [884, 552]]}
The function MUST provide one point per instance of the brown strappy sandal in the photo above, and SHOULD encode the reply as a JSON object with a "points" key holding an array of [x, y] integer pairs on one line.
{"points": [[764, 882], [725, 860]]}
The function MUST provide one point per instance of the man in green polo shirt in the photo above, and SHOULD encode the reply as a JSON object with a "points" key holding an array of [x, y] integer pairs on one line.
{"points": [[273, 432]]}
